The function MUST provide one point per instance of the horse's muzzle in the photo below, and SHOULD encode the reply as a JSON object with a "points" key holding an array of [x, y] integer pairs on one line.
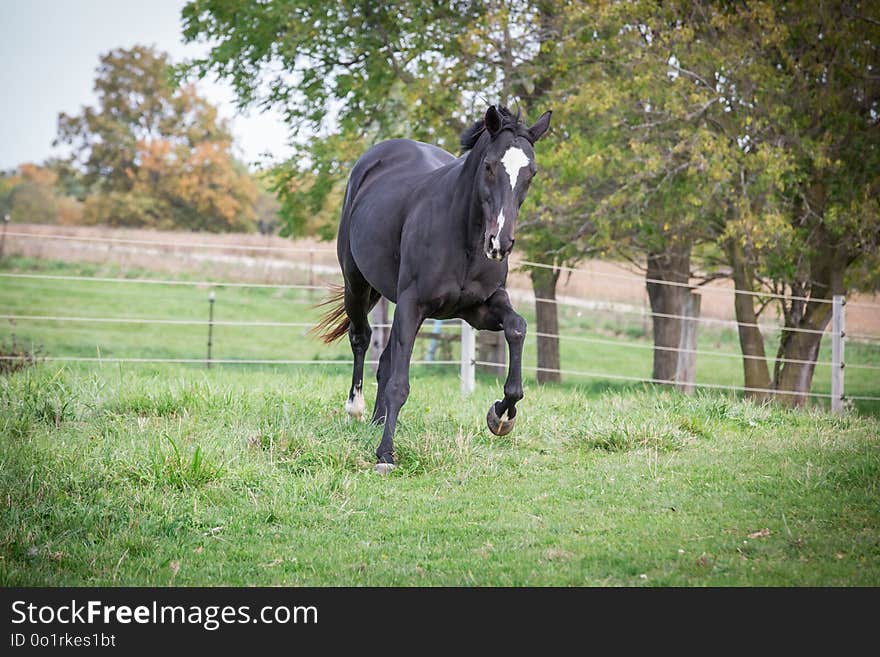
{"points": [[496, 251]]}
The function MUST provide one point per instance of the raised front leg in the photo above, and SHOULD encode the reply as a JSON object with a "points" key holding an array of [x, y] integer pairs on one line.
{"points": [[407, 320], [496, 315]]}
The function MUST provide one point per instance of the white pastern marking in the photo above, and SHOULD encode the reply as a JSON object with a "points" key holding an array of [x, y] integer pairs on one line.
{"points": [[356, 407], [496, 239], [514, 160]]}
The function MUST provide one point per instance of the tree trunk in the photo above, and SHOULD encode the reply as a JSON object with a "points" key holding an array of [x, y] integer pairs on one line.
{"points": [[756, 371], [673, 265], [796, 379], [544, 283], [827, 269]]}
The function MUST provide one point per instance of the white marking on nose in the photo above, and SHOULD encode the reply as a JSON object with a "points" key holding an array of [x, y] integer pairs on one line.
{"points": [[496, 239], [514, 160]]}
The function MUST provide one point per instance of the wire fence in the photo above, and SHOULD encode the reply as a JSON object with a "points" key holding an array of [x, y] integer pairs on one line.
{"points": [[273, 324], [283, 286], [159, 281], [689, 285], [217, 361], [310, 325], [177, 245]]}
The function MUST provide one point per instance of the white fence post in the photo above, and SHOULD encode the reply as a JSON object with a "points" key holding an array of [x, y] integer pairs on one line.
{"points": [[468, 343], [838, 333], [686, 366]]}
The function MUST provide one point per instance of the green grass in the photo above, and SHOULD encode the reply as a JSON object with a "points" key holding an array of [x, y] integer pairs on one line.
{"points": [[152, 475]]}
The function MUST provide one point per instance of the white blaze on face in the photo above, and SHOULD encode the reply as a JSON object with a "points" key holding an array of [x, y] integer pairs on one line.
{"points": [[496, 239], [514, 160]]}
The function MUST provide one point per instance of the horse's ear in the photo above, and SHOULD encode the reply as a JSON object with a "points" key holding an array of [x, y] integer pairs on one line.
{"points": [[540, 127], [492, 120]]}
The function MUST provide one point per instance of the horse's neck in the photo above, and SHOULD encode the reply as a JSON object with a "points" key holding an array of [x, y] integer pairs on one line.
{"points": [[466, 204]]}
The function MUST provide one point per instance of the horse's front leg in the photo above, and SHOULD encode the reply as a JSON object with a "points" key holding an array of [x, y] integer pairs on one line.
{"points": [[502, 414], [407, 320], [496, 315]]}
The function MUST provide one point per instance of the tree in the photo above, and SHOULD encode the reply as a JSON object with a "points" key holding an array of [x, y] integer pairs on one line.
{"points": [[822, 110], [343, 75], [652, 155], [31, 194], [742, 131], [155, 154]]}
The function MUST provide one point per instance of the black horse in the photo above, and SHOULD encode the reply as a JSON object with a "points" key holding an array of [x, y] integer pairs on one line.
{"points": [[432, 232]]}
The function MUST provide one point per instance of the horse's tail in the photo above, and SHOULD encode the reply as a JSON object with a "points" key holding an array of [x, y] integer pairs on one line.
{"points": [[334, 323]]}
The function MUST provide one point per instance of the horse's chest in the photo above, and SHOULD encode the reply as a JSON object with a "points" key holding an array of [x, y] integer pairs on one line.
{"points": [[472, 294], [453, 299]]}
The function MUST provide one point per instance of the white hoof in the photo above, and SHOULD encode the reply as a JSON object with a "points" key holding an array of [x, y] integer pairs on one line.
{"points": [[384, 468]]}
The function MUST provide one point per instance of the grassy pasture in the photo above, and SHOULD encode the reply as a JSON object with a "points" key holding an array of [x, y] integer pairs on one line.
{"points": [[154, 474]]}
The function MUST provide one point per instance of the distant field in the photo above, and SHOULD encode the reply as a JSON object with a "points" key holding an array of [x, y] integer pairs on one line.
{"points": [[254, 257]]}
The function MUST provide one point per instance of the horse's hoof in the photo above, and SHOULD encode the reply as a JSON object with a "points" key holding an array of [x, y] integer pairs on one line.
{"points": [[500, 426], [384, 468]]}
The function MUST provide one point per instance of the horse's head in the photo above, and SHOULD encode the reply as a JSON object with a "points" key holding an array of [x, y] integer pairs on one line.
{"points": [[505, 171]]}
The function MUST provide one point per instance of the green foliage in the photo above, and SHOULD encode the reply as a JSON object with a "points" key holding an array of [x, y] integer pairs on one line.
{"points": [[34, 194], [355, 74]]}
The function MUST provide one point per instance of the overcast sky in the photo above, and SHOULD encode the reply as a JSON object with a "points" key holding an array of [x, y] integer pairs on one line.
{"points": [[49, 50]]}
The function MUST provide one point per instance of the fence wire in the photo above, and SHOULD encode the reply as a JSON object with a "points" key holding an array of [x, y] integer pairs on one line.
{"points": [[178, 245], [692, 286], [230, 284], [448, 325], [313, 250], [718, 386]]}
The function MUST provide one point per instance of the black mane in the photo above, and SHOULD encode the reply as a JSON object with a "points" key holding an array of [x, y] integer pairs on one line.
{"points": [[509, 121]]}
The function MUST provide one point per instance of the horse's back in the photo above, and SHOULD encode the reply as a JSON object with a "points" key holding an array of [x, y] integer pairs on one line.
{"points": [[391, 162], [380, 188]]}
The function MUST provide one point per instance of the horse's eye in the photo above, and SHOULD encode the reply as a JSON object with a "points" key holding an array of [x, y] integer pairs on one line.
{"points": [[489, 168]]}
